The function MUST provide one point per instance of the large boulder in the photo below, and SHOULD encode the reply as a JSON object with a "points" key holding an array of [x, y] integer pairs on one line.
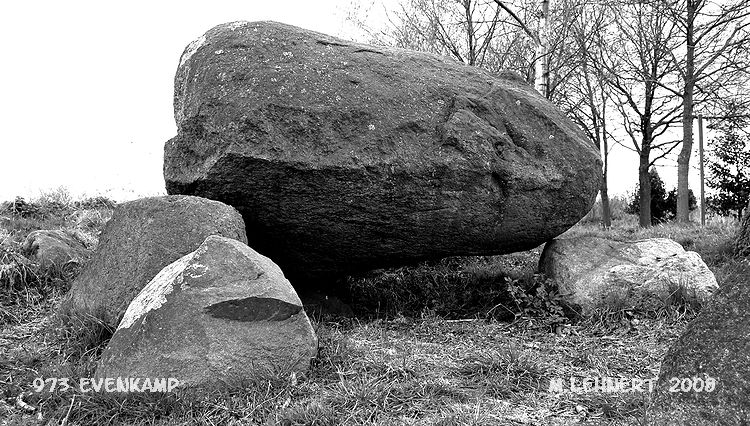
{"points": [[344, 157], [593, 272], [143, 237], [705, 376], [53, 249], [223, 313]]}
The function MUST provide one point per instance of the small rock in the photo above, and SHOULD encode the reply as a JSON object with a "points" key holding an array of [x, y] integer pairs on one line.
{"points": [[223, 313], [53, 249]]}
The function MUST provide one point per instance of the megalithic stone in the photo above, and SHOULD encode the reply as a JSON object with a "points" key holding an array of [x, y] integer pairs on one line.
{"points": [[343, 157]]}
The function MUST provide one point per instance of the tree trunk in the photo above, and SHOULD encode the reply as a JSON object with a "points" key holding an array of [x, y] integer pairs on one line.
{"points": [[742, 243], [683, 161], [541, 80], [644, 189], [606, 213]]}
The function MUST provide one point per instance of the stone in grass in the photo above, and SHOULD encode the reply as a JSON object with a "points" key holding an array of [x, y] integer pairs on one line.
{"points": [[53, 249], [709, 365], [592, 272], [223, 313], [143, 237]]}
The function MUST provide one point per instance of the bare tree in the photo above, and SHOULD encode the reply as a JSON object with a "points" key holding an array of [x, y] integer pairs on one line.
{"points": [[556, 53], [492, 34], [715, 38], [638, 65], [586, 99], [461, 29]]}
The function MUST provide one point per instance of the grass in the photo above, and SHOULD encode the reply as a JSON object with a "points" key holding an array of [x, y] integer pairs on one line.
{"points": [[461, 341]]}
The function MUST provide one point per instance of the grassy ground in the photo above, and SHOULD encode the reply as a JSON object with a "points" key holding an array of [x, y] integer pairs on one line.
{"points": [[463, 341]]}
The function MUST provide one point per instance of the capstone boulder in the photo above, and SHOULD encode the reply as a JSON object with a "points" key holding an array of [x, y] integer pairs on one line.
{"points": [[344, 157]]}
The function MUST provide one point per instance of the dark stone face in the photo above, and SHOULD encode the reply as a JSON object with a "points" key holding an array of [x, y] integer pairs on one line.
{"points": [[715, 345], [343, 157], [253, 309]]}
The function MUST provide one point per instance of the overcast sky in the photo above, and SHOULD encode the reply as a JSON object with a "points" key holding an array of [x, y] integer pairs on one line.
{"points": [[86, 88]]}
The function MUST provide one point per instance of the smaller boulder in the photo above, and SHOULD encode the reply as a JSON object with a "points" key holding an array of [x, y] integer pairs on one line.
{"points": [[223, 313], [53, 249], [593, 272], [143, 237]]}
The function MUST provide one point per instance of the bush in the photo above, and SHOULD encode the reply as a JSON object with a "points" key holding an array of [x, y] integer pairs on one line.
{"points": [[663, 204], [21, 207], [95, 203]]}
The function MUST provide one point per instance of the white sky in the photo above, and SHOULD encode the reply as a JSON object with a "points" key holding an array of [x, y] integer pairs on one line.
{"points": [[86, 89]]}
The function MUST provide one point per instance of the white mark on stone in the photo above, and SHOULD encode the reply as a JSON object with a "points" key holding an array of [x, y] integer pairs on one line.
{"points": [[154, 295], [237, 24], [287, 54], [338, 98], [518, 102], [303, 90], [219, 52], [371, 127], [551, 136], [192, 48], [196, 270]]}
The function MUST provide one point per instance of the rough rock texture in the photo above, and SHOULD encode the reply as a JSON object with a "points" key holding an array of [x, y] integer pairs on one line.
{"points": [[344, 157], [143, 237], [53, 249], [742, 243], [223, 313], [590, 271], [716, 345]]}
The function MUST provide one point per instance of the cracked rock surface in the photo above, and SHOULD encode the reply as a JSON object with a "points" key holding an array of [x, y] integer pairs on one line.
{"points": [[343, 157], [221, 314]]}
